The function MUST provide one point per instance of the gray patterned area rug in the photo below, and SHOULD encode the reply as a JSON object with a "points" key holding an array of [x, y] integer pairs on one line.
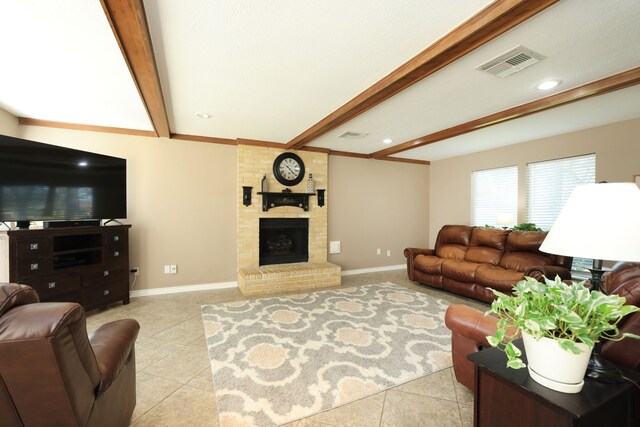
{"points": [[279, 359]]}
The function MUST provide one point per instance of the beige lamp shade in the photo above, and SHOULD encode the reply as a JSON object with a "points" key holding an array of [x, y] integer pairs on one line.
{"points": [[599, 221], [504, 219]]}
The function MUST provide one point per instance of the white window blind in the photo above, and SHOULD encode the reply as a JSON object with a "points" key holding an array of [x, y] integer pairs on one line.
{"points": [[549, 185], [494, 192]]}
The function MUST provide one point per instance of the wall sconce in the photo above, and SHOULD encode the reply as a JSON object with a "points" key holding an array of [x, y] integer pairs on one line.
{"points": [[246, 195], [320, 197]]}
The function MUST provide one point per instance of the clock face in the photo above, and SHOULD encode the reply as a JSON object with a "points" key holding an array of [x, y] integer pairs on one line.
{"points": [[288, 169]]}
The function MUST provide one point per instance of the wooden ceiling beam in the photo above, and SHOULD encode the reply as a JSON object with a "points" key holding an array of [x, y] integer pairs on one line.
{"points": [[599, 87], [129, 25], [25, 121], [484, 26]]}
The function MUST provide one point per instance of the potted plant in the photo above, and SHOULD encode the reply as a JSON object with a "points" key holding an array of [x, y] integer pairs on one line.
{"points": [[526, 226], [560, 324]]}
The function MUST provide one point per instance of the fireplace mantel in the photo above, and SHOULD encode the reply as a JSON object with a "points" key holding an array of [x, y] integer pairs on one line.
{"points": [[274, 200]]}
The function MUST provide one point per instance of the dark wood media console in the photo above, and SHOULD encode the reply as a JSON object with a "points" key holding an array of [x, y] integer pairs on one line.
{"points": [[87, 265]]}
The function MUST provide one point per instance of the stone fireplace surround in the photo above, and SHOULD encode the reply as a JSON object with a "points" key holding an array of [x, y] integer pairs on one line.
{"points": [[253, 163]]}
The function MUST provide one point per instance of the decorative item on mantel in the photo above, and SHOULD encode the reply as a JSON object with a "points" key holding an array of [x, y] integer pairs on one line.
{"points": [[264, 185], [246, 195], [321, 197], [310, 184]]}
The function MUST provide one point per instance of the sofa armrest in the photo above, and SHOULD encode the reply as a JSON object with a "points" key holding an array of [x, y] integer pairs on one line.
{"points": [[470, 323], [112, 344], [411, 254], [548, 271]]}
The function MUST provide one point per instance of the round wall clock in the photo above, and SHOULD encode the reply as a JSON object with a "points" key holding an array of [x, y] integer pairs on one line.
{"points": [[288, 168]]}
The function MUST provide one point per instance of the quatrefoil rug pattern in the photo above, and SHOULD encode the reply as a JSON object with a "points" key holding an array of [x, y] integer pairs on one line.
{"points": [[279, 359]]}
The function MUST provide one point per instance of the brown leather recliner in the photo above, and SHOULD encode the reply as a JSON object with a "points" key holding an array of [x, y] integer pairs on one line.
{"points": [[470, 327], [53, 374]]}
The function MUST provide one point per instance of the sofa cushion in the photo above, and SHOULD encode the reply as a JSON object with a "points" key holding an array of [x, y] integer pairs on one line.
{"points": [[522, 261], [525, 241], [461, 271], [428, 264], [498, 278], [523, 251], [486, 245], [453, 241]]}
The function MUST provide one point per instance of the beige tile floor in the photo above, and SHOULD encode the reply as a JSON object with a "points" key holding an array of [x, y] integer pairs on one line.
{"points": [[174, 386]]}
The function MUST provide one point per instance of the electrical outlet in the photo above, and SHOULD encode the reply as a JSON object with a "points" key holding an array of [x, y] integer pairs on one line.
{"points": [[173, 269], [135, 270], [378, 251], [388, 252]]}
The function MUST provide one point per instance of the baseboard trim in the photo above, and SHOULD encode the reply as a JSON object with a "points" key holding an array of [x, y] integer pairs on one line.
{"points": [[185, 288], [228, 285], [374, 269]]}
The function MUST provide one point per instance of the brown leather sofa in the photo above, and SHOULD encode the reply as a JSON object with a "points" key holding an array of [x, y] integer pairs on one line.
{"points": [[470, 327], [53, 374], [468, 260]]}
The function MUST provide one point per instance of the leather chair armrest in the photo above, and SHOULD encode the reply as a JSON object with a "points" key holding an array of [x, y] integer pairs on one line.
{"points": [[548, 271], [112, 344], [625, 352], [470, 323]]}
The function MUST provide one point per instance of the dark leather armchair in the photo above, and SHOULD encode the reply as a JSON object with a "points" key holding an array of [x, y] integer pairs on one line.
{"points": [[470, 327], [53, 374]]}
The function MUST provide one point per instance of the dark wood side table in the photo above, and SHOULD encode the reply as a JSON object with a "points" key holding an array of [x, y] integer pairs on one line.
{"points": [[509, 397]]}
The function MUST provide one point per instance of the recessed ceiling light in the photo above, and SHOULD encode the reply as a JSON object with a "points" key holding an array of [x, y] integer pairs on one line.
{"points": [[549, 84], [203, 115], [83, 163], [387, 141]]}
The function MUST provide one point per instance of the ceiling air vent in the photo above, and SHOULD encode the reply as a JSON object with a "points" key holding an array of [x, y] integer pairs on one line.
{"points": [[510, 62], [353, 135]]}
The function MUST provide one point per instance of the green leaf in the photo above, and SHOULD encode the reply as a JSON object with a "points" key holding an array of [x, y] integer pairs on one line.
{"points": [[512, 351], [569, 346], [532, 325], [571, 317], [547, 323], [515, 364], [493, 341]]}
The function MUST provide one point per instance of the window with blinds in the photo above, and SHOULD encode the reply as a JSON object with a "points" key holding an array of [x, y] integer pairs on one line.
{"points": [[549, 185], [494, 192]]}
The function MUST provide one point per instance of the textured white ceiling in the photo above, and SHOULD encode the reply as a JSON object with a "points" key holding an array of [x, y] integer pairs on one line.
{"points": [[269, 70], [600, 110], [582, 40], [61, 62]]}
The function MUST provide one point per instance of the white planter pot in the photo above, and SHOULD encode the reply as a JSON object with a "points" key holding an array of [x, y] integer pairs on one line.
{"points": [[554, 367]]}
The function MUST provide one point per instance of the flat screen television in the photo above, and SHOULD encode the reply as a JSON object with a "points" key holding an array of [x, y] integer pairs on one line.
{"points": [[43, 182]]}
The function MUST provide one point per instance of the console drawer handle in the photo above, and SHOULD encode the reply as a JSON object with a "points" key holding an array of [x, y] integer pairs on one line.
{"points": [[52, 285], [34, 266], [116, 253], [105, 273], [106, 292], [116, 238], [33, 246]]}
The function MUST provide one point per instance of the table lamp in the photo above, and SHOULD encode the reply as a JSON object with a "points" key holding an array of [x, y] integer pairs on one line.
{"points": [[602, 222], [504, 220]]}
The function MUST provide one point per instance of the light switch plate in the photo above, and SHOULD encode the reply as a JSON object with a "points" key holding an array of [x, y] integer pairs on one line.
{"points": [[335, 247]]}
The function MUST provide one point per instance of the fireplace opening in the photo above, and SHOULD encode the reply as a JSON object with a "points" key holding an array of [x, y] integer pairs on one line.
{"points": [[284, 240]]}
